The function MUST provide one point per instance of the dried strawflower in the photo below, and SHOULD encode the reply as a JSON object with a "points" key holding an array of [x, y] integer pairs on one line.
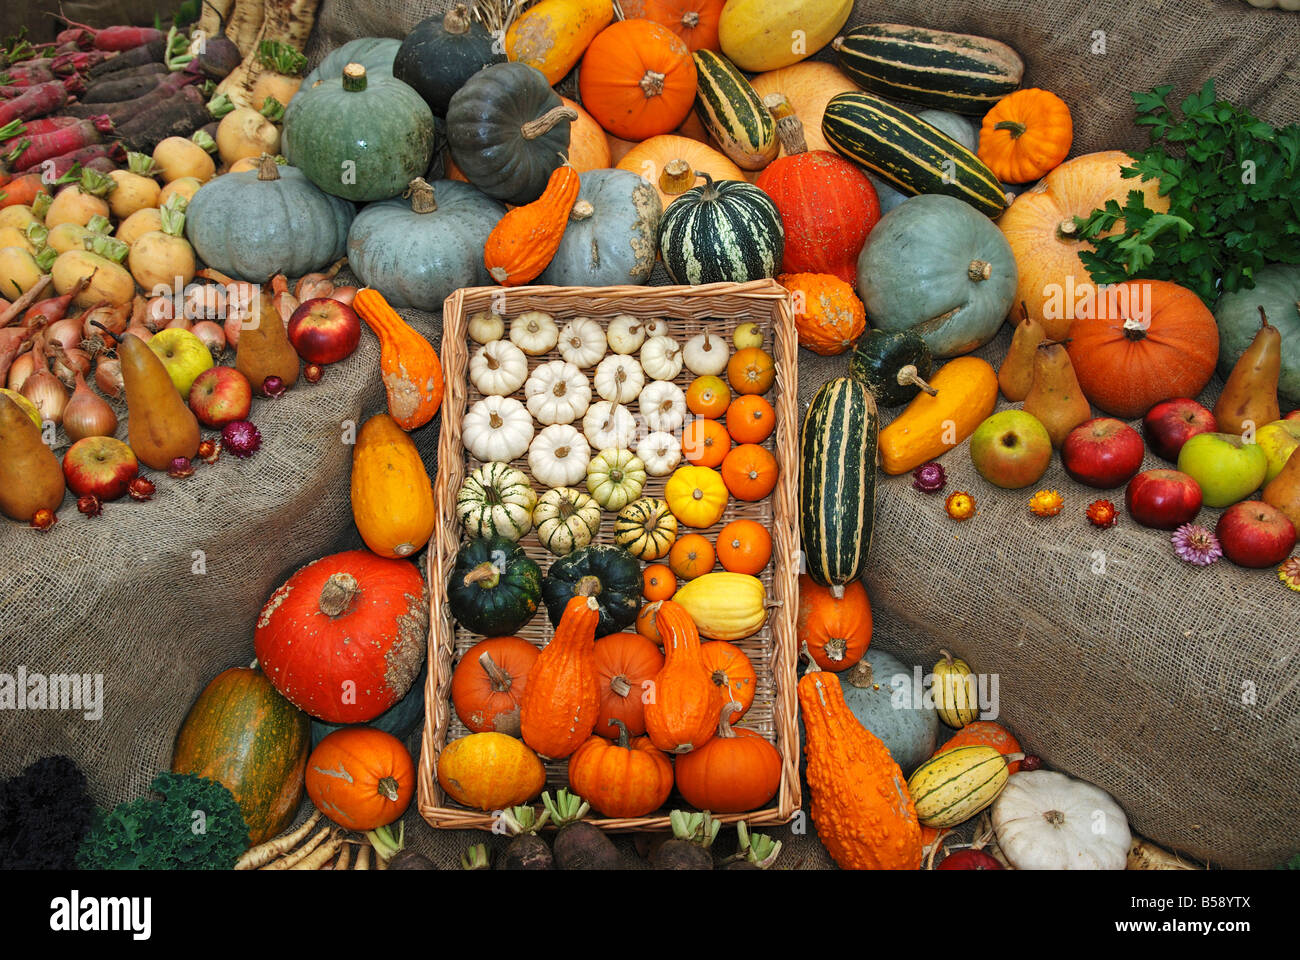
{"points": [[180, 468], [1102, 513], [1196, 545], [1046, 503], [960, 505], [312, 372], [90, 505], [141, 488], [1289, 572], [929, 477], [209, 450], [43, 519]]}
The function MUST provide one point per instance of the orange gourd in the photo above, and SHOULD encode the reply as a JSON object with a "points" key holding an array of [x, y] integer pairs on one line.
{"points": [[626, 778], [658, 582], [695, 21], [637, 79], [750, 419], [562, 697], [409, 365], [683, 712], [985, 733], [705, 443], [588, 145], [859, 800], [488, 684], [751, 370], [733, 675], [836, 631], [645, 622], [750, 472], [736, 771], [361, 777], [828, 315], [691, 556], [653, 157], [625, 663], [525, 240], [744, 546], [1026, 135], [808, 86]]}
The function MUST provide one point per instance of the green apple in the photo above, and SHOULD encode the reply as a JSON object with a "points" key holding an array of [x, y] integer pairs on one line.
{"points": [[183, 354], [1011, 449], [1227, 468], [1279, 440]]}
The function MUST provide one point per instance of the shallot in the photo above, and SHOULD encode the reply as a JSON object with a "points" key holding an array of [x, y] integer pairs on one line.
{"points": [[204, 302], [66, 332], [158, 312], [108, 376], [17, 308], [19, 370], [88, 414], [213, 337], [313, 285], [11, 342], [43, 388]]}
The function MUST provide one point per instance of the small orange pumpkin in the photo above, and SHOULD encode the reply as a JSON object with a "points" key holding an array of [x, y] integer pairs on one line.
{"points": [[734, 772], [525, 240], [489, 682], [588, 145], [695, 21], [705, 443], [751, 370], [732, 673], [682, 715], [744, 546], [708, 397], [625, 663], [658, 582], [837, 631], [1026, 135], [750, 419], [750, 472], [360, 777], [691, 556], [637, 79], [626, 778], [828, 315]]}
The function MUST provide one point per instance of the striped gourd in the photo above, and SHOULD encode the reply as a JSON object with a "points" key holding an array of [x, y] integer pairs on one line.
{"points": [[952, 787], [908, 152], [496, 500], [837, 482], [733, 112], [646, 528], [933, 68], [724, 232]]}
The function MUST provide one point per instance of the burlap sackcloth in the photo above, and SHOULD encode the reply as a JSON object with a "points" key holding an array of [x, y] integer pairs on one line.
{"points": [[1173, 688]]}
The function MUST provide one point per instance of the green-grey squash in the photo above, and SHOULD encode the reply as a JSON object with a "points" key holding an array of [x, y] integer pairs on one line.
{"points": [[611, 235], [417, 250], [442, 52], [254, 224], [1277, 290], [726, 231], [937, 265], [376, 54]]}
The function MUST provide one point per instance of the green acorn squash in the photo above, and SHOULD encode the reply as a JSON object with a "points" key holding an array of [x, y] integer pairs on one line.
{"points": [[893, 366], [610, 574], [1277, 290], [494, 588], [442, 52], [611, 235]]}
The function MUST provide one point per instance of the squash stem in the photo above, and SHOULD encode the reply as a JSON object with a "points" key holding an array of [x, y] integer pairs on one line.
{"points": [[421, 193], [652, 84], [908, 375], [267, 168], [536, 128], [789, 128], [1016, 129], [861, 675], [354, 78], [388, 789], [724, 719], [456, 22], [676, 177], [337, 594], [501, 681]]}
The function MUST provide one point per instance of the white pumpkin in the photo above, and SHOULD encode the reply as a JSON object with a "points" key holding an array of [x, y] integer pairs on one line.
{"points": [[557, 392], [582, 342], [559, 456], [534, 332], [486, 326], [625, 334], [498, 368], [656, 327], [615, 478], [566, 519], [619, 379], [663, 406], [661, 358], [660, 452], [1049, 821], [609, 425], [497, 428], [706, 354]]}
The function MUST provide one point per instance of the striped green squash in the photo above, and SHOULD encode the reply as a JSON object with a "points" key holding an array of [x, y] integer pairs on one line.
{"points": [[724, 232], [733, 112], [957, 784], [496, 500], [837, 482], [908, 152], [933, 68]]}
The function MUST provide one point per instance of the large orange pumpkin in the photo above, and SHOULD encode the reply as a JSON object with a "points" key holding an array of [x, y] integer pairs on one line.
{"points": [[360, 777], [808, 86], [588, 145], [695, 21], [625, 664], [837, 631], [1039, 225], [651, 158], [1145, 341], [637, 79], [627, 778]]}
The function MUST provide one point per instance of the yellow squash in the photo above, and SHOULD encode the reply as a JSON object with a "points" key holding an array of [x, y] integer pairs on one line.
{"points": [[725, 606], [966, 390], [697, 496], [955, 785], [955, 698], [392, 500], [761, 35], [554, 34]]}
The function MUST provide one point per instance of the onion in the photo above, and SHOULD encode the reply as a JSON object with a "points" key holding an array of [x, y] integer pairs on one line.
{"points": [[68, 363], [180, 323], [205, 301], [213, 337], [88, 414], [144, 333], [108, 376], [112, 316], [344, 294], [239, 307], [20, 370], [66, 332], [43, 388], [158, 312]]}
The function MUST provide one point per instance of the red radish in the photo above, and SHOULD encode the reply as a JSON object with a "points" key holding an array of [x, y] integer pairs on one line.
{"points": [[18, 129], [76, 61], [104, 157], [46, 146], [31, 73], [117, 38], [38, 101], [55, 308], [969, 860]]}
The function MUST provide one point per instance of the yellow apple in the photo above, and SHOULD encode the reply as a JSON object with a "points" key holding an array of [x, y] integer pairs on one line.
{"points": [[1278, 440], [183, 354]]}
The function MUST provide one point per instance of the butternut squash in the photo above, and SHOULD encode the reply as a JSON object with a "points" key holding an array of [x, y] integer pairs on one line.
{"points": [[161, 426], [30, 476], [264, 349], [553, 35], [392, 499], [966, 391]]}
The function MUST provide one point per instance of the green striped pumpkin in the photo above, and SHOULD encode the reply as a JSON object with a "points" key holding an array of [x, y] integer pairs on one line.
{"points": [[733, 112], [908, 152], [566, 520], [957, 784], [496, 500], [933, 68], [837, 482], [724, 232], [646, 528]]}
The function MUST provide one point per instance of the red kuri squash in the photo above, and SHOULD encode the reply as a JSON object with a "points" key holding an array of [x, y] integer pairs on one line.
{"points": [[637, 79], [488, 684], [985, 733], [695, 21], [625, 664], [361, 778], [734, 772]]}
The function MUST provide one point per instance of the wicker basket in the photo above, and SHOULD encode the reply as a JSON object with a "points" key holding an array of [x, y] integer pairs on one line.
{"points": [[720, 308]]}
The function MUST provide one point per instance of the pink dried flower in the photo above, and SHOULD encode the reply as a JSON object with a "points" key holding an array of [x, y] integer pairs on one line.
{"points": [[929, 477], [241, 438], [1196, 545]]}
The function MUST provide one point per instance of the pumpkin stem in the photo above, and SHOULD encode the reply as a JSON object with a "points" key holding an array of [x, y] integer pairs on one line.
{"points": [[862, 675], [1135, 329], [354, 78], [979, 270], [652, 84], [789, 128], [535, 128], [1017, 129], [946, 656], [690, 19], [388, 789], [908, 374], [623, 739], [588, 586], [724, 719], [1067, 230], [676, 177], [1054, 817], [422, 197], [620, 686], [485, 574], [582, 210], [456, 22], [267, 168], [337, 594], [501, 681]]}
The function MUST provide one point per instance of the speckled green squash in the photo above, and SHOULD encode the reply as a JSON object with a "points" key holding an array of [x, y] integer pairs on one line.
{"points": [[724, 231], [442, 52], [612, 243]]}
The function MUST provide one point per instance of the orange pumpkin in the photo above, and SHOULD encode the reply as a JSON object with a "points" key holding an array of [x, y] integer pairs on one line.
{"points": [[658, 582], [562, 698], [645, 622], [625, 663], [627, 778], [828, 315], [733, 675], [588, 145], [691, 556], [808, 86], [683, 713], [837, 631], [695, 21], [1147, 341], [744, 546], [736, 771], [1026, 135], [489, 681], [985, 733], [526, 238], [360, 777], [705, 443], [750, 472], [708, 397], [750, 419], [651, 158], [637, 79], [751, 370]]}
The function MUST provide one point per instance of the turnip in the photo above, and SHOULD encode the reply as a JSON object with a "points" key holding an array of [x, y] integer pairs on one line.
{"points": [[19, 271], [283, 73], [78, 202], [578, 845], [138, 224], [67, 236], [178, 157], [693, 835], [109, 280], [181, 186], [136, 188], [14, 237], [246, 133], [164, 257]]}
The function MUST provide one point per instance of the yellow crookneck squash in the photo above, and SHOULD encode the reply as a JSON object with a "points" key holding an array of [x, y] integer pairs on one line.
{"points": [[392, 499], [553, 35], [966, 391]]}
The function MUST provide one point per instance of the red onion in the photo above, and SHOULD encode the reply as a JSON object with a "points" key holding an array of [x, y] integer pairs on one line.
{"points": [[88, 414], [108, 376], [241, 438], [213, 337], [90, 505], [1031, 762], [273, 387], [141, 488]]}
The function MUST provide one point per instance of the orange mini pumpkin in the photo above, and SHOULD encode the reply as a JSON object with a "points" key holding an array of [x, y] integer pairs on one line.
{"points": [[732, 673], [625, 663], [637, 79], [734, 772], [658, 582], [705, 443], [985, 733], [361, 777], [1026, 135], [750, 419], [489, 681], [626, 778], [744, 546], [751, 370], [708, 397], [828, 315], [750, 472], [691, 556]]}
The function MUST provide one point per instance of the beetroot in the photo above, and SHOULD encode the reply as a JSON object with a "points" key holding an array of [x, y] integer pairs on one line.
{"points": [[45, 146]]}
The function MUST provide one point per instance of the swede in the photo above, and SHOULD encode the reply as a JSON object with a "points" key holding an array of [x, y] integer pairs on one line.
{"points": [[164, 258], [138, 224], [13, 237], [178, 157], [18, 271], [68, 236], [78, 202], [182, 186], [18, 216], [109, 280], [136, 188]]}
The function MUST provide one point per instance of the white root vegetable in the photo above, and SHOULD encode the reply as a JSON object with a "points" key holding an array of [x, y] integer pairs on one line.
{"points": [[322, 855], [285, 862], [363, 858], [1145, 855], [263, 853]]}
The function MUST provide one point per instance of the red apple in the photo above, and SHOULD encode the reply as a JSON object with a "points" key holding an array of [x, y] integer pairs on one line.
{"points": [[103, 466], [323, 330], [1171, 423], [221, 395], [1103, 452], [1253, 534], [1293, 415], [1163, 499]]}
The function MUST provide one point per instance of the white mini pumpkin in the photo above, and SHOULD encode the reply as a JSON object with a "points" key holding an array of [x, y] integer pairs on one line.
{"points": [[656, 327], [663, 406], [1049, 821], [498, 368], [609, 425], [486, 326], [706, 354], [534, 332], [661, 358], [625, 334], [619, 379], [557, 392], [566, 520], [497, 428], [582, 342], [559, 456], [660, 452]]}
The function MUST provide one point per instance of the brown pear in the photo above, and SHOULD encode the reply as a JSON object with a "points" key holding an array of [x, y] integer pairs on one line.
{"points": [[30, 476], [1283, 491], [1251, 391], [1055, 397], [161, 426], [264, 349], [1016, 375]]}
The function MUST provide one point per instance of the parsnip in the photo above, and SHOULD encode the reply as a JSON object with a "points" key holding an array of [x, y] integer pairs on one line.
{"points": [[317, 859], [265, 852], [287, 861], [244, 25], [1145, 855], [214, 12], [363, 858]]}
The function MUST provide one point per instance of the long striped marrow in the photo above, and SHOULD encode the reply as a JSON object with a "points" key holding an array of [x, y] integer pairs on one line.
{"points": [[952, 787], [733, 112]]}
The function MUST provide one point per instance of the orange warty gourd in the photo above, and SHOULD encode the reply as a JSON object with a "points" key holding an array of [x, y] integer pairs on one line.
{"points": [[637, 79], [1026, 135], [695, 21], [626, 778], [985, 733], [525, 240], [859, 799], [588, 145], [410, 367], [828, 315], [652, 159], [361, 777], [562, 698], [733, 675], [683, 713], [488, 684], [837, 632], [625, 662], [736, 771]]}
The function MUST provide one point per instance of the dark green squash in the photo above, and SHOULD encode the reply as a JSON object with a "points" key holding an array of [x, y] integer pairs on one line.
{"points": [[494, 588], [400, 719], [728, 231], [508, 131], [892, 365], [359, 137], [610, 574], [441, 53]]}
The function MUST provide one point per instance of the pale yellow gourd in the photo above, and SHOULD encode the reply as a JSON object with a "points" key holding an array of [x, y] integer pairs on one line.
{"points": [[725, 606], [761, 35]]}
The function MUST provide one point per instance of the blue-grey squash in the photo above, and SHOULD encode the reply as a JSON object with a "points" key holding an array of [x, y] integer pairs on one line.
{"points": [[417, 250], [254, 224], [611, 235], [937, 265], [1277, 290], [962, 129], [376, 54], [359, 137], [442, 52]]}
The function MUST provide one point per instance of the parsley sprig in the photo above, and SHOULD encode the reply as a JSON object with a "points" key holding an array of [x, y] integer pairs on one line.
{"points": [[1233, 183]]}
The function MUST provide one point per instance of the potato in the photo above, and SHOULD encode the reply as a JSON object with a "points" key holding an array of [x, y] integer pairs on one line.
{"points": [[110, 281]]}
